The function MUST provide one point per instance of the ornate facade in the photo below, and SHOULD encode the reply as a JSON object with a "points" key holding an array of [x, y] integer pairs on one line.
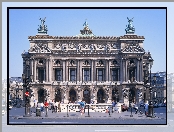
{"points": [[87, 67]]}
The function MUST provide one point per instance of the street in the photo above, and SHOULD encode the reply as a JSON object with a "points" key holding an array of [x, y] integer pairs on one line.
{"points": [[16, 117]]}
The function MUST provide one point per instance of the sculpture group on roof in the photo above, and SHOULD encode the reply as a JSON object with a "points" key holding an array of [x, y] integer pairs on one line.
{"points": [[130, 28]]}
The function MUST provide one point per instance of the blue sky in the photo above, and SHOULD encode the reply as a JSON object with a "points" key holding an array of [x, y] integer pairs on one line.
{"points": [[109, 22]]}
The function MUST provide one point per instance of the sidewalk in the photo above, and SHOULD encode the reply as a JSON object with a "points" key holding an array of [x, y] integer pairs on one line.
{"points": [[77, 115]]}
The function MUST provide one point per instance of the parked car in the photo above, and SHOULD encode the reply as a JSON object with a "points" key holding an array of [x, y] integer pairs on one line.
{"points": [[124, 108]]}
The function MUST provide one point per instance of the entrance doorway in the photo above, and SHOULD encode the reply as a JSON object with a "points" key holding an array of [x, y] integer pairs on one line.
{"points": [[72, 96], [41, 97], [58, 95], [100, 96], [86, 96], [132, 96], [115, 95]]}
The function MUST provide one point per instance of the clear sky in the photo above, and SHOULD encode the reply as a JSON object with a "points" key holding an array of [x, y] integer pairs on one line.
{"points": [[150, 23]]}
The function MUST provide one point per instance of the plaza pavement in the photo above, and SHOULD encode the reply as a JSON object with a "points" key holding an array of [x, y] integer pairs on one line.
{"points": [[94, 115]]}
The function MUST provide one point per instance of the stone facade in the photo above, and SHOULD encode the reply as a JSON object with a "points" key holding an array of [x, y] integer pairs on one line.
{"points": [[87, 67]]}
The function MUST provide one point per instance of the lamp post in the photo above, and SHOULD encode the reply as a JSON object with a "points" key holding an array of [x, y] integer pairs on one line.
{"points": [[150, 107], [26, 85]]}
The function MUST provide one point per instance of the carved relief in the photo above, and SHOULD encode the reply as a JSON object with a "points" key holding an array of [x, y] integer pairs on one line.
{"points": [[39, 48], [132, 48]]}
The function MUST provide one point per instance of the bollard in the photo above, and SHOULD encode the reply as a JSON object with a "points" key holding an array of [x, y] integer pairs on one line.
{"points": [[67, 111], [88, 111], [46, 112]]}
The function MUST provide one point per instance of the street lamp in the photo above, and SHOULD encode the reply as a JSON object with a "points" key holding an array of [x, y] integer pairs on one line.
{"points": [[26, 84], [150, 107]]}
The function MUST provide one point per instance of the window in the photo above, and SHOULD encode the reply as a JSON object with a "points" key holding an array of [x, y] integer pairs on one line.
{"points": [[100, 74], [86, 74], [114, 75], [72, 74], [58, 74]]}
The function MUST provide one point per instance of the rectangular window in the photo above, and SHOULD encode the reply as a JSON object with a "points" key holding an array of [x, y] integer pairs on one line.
{"points": [[72, 74], [86, 74], [58, 74], [114, 74], [101, 74]]}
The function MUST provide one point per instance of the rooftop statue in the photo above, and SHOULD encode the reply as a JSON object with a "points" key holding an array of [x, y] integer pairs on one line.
{"points": [[130, 28], [42, 28], [85, 24]]}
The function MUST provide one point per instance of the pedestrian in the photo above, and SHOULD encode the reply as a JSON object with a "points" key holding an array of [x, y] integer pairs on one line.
{"points": [[82, 107], [59, 106], [146, 108], [41, 105], [136, 108], [113, 105], [55, 106]]}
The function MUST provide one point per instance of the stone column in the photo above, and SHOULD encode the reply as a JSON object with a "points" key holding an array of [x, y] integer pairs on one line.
{"points": [[53, 74], [121, 70], [126, 70], [50, 70], [106, 73], [109, 70], [32, 67], [92, 71], [67, 72], [64, 70], [141, 71], [46, 70], [80, 71], [35, 74], [138, 70]]}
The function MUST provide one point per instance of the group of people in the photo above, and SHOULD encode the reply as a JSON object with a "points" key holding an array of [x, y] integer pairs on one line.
{"points": [[135, 107], [55, 106]]}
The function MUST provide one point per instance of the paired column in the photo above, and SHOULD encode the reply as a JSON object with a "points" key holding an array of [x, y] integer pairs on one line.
{"points": [[107, 63], [34, 72], [67, 72], [109, 70], [92, 71], [64, 70], [46, 70], [50, 70], [138, 70], [126, 70]]}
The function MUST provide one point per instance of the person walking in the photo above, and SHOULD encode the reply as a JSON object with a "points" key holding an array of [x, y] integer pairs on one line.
{"points": [[146, 108], [82, 107], [59, 109], [113, 105], [42, 105]]}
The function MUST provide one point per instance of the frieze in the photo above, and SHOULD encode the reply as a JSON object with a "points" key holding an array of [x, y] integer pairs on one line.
{"points": [[39, 48], [132, 48]]}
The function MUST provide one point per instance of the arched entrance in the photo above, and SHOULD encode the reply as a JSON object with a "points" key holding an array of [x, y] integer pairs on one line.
{"points": [[72, 96], [58, 95], [41, 97], [86, 96], [132, 95], [115, 95], [100, 96]]}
